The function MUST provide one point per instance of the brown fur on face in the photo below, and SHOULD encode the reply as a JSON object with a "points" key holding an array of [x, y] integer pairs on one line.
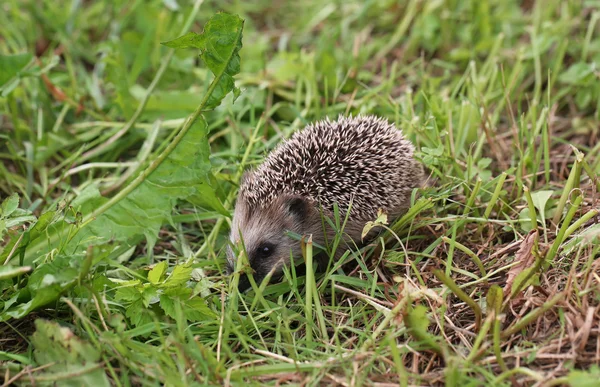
{"points": [[256, 227], [260, 228]]}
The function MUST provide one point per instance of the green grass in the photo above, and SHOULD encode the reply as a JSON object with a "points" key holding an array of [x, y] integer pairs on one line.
{"points": [[113, 262]]}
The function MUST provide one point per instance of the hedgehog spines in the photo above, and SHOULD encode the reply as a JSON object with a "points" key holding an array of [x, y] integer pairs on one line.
{"points": [[363, 160]]}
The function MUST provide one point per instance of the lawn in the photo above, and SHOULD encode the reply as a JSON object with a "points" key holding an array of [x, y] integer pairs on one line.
{"points": [[122, 147]]}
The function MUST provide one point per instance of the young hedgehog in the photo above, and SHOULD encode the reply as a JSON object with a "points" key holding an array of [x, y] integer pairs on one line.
{"points": [[363, 164]]}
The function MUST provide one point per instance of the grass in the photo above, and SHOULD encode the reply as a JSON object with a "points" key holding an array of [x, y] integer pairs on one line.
{"points": [[491, 278]]}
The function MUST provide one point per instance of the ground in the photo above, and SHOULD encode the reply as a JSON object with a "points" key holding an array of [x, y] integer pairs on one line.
{"points": [[116, 208]]}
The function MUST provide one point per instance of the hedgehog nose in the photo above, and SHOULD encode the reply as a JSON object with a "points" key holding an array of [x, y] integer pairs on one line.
{"points": [[244, 283]]}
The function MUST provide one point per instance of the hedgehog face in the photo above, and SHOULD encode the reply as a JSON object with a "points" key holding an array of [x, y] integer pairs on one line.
{"points": [[261, 232]]}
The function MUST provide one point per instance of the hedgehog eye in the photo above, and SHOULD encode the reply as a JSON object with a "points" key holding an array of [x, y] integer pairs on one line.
{"points": [[265, 250]]}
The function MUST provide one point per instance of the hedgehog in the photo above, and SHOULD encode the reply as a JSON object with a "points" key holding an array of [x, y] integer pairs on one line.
{"points": [[362, 164]]}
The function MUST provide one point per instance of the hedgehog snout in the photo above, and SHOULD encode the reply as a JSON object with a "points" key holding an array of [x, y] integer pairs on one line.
{"points": [[263, 255]]}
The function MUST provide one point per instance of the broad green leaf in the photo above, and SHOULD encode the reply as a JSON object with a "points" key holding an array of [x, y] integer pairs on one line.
{"points": [[540, 199], [484, 162], [207, 198], [47, 282], [220, 43], [156, 274], [149, 206], [66, 353], [180, 171], [62, 270], [525, 219], [10, 65], [185, 171], [9, 205]]}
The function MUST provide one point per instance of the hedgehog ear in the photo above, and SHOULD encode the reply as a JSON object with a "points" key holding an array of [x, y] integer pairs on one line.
{"points": [[298, 207]]}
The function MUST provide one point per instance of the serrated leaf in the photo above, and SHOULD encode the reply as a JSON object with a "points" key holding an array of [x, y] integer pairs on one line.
{"points": [[149, 296], [149, 205], [138, 314], [53, 343], [64, 352], [179, 276], [180, 171], [223, 41], [197, 310], [10, 65], [184, 170], [168, 305], [158, 271], [220, 43], [194, 308], [9, 205], [191, 39], [128, 293]]}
